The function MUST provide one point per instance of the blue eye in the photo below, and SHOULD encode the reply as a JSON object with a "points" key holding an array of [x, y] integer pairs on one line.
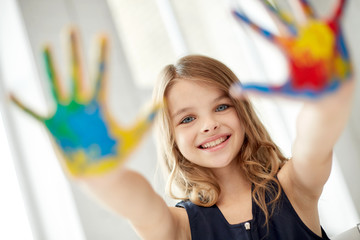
{"points": [[222, 107], [187, 120]]}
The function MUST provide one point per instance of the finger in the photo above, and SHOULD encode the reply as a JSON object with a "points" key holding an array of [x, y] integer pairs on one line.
{"points": [[100, 86], [26, 109], [307, 9], [55, 85], [76, 67], [131, 138], [145, 121], [285, 18], [265, 33], [341, 47], [342, 58], [342, 62], [287, 90], [338, 11], [238, 90]]}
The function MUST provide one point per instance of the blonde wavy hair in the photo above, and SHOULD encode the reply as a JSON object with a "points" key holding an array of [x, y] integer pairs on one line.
{"points": [[259, 157]]}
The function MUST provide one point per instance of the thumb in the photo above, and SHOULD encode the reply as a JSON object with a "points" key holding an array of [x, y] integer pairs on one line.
{"points": [[145, 120], [131, 137], [238, 90]]}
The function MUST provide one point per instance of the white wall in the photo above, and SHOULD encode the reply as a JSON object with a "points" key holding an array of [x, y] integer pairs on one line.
{"points": [[43, 20], [58, 209]]}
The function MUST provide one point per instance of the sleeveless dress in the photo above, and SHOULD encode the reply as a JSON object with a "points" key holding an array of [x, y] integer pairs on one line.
{"points": [[208, 223]]}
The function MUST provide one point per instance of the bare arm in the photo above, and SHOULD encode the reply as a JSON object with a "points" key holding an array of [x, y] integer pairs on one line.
{"points": [[93, 147], [129, 194], [319, 125]]}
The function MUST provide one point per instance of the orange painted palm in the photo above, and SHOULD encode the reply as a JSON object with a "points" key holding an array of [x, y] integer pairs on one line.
{"points": [[90, 141], [318, 59]]}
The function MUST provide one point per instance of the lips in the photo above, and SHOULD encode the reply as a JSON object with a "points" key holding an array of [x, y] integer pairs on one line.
{"points": [[214, 142]]}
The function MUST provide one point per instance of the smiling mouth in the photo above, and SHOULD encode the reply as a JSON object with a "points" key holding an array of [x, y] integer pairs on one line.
{"points": [[214, 143]]}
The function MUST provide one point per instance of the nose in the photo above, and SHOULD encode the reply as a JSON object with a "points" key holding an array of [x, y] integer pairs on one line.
{"points": [[210, 126]]}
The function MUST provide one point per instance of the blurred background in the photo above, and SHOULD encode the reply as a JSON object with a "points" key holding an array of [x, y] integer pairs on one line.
{"points": [[37, 200]]}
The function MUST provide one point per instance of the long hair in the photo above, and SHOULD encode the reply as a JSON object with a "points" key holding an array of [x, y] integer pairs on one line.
{"points": [[259, 158]]}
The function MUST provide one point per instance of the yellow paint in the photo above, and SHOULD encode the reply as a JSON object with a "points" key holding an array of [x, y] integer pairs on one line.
{"points": [[80, 167], [315, 43], [128, 140], [341, 67]]}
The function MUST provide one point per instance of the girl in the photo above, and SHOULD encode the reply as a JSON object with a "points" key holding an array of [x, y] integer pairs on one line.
{"points": [[233, 181]]}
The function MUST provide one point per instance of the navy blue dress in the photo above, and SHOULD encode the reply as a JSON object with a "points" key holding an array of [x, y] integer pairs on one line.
{"points": [[208, 223]]}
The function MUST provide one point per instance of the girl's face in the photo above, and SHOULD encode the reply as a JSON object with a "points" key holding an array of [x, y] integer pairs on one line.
{"points": [[206, 127]]}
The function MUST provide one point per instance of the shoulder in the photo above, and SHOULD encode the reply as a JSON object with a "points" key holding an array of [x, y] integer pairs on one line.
{"points": [[186, 212], [296, 185], [181, 219], [304, 204], [187, 205], [298, 195], [197, 213]]}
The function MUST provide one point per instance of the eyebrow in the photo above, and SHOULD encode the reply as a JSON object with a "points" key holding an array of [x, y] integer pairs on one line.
{"points": [[182, 110]]}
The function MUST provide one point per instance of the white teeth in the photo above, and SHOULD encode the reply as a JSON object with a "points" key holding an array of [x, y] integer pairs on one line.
{"points": [[214, 143]]}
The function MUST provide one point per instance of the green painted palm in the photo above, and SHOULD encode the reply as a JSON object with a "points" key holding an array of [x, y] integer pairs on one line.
{"points": [[90, 140]]}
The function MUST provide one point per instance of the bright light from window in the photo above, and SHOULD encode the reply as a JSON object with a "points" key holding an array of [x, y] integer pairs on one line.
{"points": [[46, 194], [13, 219]]}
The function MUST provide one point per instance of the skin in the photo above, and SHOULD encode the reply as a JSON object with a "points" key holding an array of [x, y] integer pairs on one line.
{"points": [[108, 144], [319, 125], [315, 48], [302, 178], [202, 115], [129, 194]]}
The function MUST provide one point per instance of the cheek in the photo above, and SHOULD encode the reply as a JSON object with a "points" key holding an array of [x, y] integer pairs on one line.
{"points": [[184, 140], [241, 135], [234, 120], [241, 127], [238, 125]]}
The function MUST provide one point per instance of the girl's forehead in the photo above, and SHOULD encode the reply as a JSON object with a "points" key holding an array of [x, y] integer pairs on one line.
{"points": [[187, 86], [186, 94]]}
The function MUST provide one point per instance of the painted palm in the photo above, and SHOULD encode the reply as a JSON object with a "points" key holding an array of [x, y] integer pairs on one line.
{"points": [[318, 59], [88, 137]]}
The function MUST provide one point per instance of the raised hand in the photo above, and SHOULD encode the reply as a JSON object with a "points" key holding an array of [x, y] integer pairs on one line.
{"points": [[318, 59], [89, 139]]}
